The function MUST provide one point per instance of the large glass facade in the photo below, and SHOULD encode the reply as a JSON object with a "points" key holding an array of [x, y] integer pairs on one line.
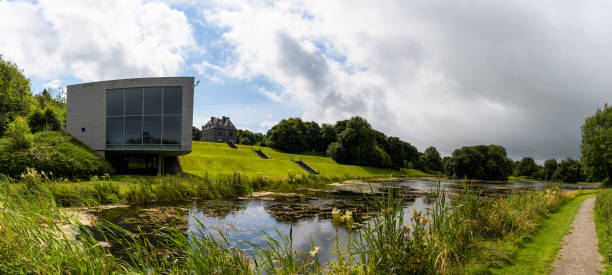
{"points": [[144, 118]]}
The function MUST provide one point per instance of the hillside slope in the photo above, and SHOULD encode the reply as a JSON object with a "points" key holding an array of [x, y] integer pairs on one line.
{"points": [[210, 157]]}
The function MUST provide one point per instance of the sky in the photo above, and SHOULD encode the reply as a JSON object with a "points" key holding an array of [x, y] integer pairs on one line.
{"points": [[521, 74]]}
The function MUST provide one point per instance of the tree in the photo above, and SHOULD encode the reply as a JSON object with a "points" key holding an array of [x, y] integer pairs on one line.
{"points": [[312, 136], [481, 162], [288, 136], [247, 137], [328, 135], [430, 160], [528, 168], [447, 167], [47, 120], [196, 134], [550, 166], [356, 144], [596, 145], [568, 171], [19, 135], [15, 95]]}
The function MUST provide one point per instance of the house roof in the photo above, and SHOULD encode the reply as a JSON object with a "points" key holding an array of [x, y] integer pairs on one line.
{"points": [[219, 123]]}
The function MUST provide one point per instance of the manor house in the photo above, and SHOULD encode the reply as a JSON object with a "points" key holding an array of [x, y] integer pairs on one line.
{"points": [[219, 130]]}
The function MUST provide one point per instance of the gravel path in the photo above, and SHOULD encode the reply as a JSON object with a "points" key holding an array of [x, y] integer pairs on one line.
{"points": [[579, 254]]}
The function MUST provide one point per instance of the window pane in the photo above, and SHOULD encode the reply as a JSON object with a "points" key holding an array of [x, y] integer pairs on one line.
{"points": [[133, 130], [133, 102], [172, 100], [114, 130], [172, 130], [153, 101], [151, 130], [114, 102]]}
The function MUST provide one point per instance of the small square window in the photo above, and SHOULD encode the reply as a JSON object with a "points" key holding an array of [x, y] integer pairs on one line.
{"points": [[82, 129]]}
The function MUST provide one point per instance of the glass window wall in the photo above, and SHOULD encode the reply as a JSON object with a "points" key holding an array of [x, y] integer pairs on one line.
{"points": [[144, 118]]}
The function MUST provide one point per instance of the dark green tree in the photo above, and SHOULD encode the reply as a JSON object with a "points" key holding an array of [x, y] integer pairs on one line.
{"points": [[288, 136], [568, 171], [550, 166], [196, 134], [328, 135], [431, 160], [447, 167], [528, 168], [15, 95], [481, 162], [356, 144], [596, 145], [47, 120]]}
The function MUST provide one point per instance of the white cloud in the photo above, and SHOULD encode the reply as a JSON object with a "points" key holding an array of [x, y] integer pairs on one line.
{"points": [[53, 84], [523, 75], [267, 124], [95, 40]]}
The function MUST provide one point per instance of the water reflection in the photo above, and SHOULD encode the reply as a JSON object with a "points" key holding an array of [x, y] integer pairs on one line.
{"points": [[308, 218]]}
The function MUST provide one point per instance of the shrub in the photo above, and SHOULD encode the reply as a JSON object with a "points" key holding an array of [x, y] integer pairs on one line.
{"points": [[54, 153]]}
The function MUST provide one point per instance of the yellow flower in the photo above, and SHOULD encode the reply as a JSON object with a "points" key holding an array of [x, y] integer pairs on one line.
{"points": [[314, 251]]}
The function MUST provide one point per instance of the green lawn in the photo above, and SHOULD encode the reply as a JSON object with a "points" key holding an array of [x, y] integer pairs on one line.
{"points": [[534, 255], [210, 157]]}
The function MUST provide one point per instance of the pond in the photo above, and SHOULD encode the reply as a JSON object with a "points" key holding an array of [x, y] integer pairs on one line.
{"points": [[308, 217]]}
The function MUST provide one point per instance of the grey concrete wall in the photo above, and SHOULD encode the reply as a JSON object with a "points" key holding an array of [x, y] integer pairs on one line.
{"points": [[86, 108]]}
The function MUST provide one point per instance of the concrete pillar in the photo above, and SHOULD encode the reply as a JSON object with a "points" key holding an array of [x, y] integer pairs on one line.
{"points": [[160, 164]]}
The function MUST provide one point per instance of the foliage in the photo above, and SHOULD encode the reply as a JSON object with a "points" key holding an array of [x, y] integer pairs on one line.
{"points": [[402, 153], [548, 171], [568, 170], [288, 136], [357, 145], [596, 145], [481, 162], [447, 166], [44, 120], [196, 134], [603, 222], [528, 168], [430, 160], [56, 154], [247, 137], [15, 95], [18, 135]]}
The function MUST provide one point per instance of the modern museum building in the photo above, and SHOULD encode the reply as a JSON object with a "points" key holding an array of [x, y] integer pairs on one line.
{"points": [[140, 125]]}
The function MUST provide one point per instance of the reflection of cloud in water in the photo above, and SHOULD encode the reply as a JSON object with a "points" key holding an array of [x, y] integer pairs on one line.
{"points": [[250, 223]]}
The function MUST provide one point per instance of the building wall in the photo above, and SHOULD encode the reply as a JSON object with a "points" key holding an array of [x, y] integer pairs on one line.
{"points": [[86, 108], [226, 135]]}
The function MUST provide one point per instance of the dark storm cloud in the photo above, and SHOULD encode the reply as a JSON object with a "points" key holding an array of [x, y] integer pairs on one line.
{"points": [[521, 74]]}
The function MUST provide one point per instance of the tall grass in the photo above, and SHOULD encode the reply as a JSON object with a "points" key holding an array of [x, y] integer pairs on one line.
{"points": [[33, 238], [603, 222], [135, 190]]}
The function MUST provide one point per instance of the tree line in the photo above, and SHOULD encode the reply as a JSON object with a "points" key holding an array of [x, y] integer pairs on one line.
{"points": [[354, 141]]}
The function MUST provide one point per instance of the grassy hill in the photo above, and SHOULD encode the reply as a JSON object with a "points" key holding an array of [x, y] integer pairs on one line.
{"points": [[219, 157]]}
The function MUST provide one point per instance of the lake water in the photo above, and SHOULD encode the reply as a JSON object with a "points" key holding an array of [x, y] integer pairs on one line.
{"points": [[307, 216]]}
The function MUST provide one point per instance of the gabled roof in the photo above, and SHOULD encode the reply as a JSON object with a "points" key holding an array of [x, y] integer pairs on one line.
{"points": [[222, 123]]}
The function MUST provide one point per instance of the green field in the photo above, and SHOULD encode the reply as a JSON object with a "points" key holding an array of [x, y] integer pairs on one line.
{"points": [[212, 158]]}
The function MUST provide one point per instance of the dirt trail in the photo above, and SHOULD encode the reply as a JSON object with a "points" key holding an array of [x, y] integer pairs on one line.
{"points": [[579, 254]]}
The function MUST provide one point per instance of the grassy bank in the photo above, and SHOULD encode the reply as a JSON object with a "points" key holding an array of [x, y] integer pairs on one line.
{"points": [[210, 157], [603, 225], [135, 190], [533, 253]]}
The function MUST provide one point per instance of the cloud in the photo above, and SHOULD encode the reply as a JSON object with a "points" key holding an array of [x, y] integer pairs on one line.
{"points": [[95, 40], [520, 74], [53, 84]]}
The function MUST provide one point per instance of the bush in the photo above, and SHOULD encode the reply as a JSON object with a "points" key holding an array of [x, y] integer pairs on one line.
{"points": [[55, 153], [19, 135]]}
